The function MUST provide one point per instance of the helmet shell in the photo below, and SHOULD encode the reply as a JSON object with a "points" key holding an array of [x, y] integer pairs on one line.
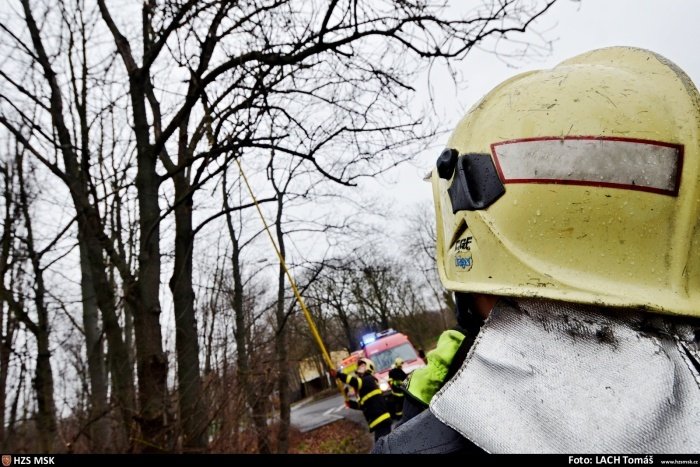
{"points": [[369, 364], [600, 161]]}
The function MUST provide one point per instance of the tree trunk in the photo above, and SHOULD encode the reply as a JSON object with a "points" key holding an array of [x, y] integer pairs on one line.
{"points": [[7, 323], [7, 329], [129, 334], [12, 422], [193, 415], [281, 343], [122, 374], [43, 376], [99, 422], [43, 385], [151, 363], [252, 395]]}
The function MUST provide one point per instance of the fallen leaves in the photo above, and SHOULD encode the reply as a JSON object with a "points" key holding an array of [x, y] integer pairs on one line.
{"points": [[341, 437]]}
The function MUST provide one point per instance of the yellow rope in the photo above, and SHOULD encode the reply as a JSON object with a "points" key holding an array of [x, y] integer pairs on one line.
{"points": [[300, 300]]}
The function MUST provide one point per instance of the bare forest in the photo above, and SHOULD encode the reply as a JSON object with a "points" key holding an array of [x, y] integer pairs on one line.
{"points": [[142, 306]]}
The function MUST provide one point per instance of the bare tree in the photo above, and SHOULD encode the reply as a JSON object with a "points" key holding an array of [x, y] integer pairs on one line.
{"points": [[281, 350], [8, 322], [74, 175], [14, 407], [199, 83], [333, 292], [39, 326], [374, 290], [421, 239], [283, 195], [255, 401], [99, 408]]}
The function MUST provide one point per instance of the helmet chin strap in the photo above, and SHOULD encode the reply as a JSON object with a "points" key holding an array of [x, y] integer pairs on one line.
{"points": [[473, 309], [483, 304]]}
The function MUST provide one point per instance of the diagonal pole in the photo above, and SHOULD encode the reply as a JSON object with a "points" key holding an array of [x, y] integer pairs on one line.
{"points": [[300, 300]]}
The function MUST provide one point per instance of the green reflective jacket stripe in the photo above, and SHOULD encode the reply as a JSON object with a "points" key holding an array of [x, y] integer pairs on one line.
{"points": [[396, 387], [425, 382], [376, 392], [378, 420]]}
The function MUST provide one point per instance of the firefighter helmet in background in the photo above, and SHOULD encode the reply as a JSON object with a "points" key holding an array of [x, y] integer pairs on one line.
{"points": [[368, 364], [398, 362], [578, 183]]}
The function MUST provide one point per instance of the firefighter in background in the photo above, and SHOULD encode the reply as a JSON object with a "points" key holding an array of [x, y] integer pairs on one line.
{"points": [[370, 398], [568, 212], [396, 378]]}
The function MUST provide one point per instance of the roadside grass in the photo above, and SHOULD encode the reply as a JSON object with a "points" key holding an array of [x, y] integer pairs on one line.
{"points": [[341, 437]]}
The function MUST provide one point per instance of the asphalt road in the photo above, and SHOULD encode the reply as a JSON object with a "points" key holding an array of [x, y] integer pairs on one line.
{"points": [[310, 414]]}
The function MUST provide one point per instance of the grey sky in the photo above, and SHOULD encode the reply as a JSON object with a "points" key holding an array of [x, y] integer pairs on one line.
{"points": [[667, 27]]}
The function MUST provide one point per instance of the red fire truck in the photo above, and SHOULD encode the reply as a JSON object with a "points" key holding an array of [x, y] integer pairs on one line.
{"points": [[383, 348]]}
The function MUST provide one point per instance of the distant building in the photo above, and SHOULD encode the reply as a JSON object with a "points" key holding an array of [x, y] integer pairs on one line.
{"points": [[313, 374]]}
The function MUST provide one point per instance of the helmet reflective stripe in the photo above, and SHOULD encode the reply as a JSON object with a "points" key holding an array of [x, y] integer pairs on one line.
{"points": [[598, 161]]}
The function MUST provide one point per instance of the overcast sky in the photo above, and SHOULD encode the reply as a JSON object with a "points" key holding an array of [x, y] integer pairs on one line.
{"points": [[668, 27]]}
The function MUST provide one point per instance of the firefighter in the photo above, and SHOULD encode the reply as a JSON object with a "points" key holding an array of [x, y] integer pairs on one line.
{"points": [[370, 398], [568, 213], [396, 379]]}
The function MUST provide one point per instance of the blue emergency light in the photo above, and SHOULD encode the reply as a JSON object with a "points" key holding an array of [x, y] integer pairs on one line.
{"points": [[368, 339], [373, 336]]}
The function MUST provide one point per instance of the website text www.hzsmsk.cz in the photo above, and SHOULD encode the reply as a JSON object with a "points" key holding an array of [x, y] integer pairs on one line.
{"points": [[627, 460]]}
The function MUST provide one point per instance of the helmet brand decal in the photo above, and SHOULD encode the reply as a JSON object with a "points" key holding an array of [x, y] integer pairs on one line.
{"points": [[463, 256], [625, 163], [464, 244], [463, 262]]}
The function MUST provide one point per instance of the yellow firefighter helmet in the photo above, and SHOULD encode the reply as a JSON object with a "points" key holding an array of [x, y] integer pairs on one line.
{"points": [[579, 183], [368, 363]]}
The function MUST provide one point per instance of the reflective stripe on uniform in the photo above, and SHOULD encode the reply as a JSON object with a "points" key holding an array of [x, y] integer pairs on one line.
{"points": [[370, 394], [379, 419]]}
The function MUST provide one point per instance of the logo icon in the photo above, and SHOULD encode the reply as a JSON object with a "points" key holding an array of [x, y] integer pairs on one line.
{"points": [[463, 262], [6, 460]]}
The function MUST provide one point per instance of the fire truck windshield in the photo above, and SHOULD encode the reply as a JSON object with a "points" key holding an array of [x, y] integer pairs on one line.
{"points": [[383, 360]]}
